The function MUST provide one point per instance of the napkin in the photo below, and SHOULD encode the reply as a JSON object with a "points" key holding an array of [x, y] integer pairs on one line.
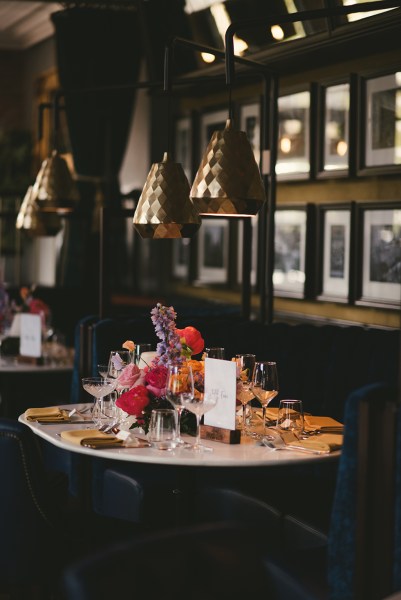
{"points": [[311, 423], [76, 436], [50, 414], [325, 442], [271, 413]]}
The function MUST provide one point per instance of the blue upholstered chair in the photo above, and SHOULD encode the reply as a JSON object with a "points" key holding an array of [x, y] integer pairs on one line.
{"points": [[215, 561]]}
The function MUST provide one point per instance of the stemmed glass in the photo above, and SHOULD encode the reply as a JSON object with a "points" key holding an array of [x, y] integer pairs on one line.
{"points": [[200, 404], [245, 365], [117, 361], [265, 385], [179, 387], [98, 387]]}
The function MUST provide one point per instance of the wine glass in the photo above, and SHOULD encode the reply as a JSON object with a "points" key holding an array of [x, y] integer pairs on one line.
{"points": [[117, 361], [200, 404], [245, 365], [103, 370], [265, 385], [179, 386], [98, 387]]}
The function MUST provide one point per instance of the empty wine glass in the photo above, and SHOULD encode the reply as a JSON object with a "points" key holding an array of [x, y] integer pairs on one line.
{"points": [[265, 385], [98, 387], [245, 365], [200, 404], [117, 361], [103, 370], [179, 387]]}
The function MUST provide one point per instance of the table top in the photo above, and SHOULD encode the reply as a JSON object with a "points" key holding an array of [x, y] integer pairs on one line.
{"points": [[248, 454], [12, 365]]}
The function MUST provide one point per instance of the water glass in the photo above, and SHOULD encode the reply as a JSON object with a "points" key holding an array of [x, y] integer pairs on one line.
{"points": [[163, 429], [290, 416], [139, 348]]}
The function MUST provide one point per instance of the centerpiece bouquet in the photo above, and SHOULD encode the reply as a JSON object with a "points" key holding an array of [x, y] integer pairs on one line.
{"points": [[145, 388]]}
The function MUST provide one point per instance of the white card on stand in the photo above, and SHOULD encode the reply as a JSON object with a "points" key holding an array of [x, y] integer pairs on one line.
{"points": [[30, 335], [221, 379]]}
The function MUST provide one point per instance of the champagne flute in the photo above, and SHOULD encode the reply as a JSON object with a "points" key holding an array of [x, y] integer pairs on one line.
{"points": [[199, 404], [265, 385], [245, 365], [179, 386]]}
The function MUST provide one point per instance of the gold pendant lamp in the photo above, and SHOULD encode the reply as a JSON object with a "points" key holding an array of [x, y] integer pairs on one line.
{"points": [[54, 189], [165, 210], [35, 223], [228, 181]]}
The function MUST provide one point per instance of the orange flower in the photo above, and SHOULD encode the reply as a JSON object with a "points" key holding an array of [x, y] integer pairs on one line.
{"points": [[192, 338], [129, 345]]}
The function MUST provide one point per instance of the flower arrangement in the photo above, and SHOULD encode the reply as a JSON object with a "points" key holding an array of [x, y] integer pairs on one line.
{"points": [[145, 388]]}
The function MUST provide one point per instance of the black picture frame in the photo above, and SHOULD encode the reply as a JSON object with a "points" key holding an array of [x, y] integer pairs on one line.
{"points": [[379, 149], [334, 129], [334, 252], [294, 135], [379, 254], [290, 251]]}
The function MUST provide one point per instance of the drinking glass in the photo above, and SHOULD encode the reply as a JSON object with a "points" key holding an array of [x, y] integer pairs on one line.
{"points": [[290, 416], [139, 348], [103, 370], [265, 385], [245, 365], [163, 429], [200, 404], [117, 361], [98, 387], [215, 353], [179, 387]]}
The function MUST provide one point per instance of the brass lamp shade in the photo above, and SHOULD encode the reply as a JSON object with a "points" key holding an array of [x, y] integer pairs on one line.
{"points": [[165, 210], [54, 189], [33, 222], [228, 180]]}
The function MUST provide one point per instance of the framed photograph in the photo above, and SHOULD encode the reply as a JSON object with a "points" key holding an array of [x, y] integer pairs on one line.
{"points": [[211, 122], [382, 122], [250, 123], [213, 240], [334, 252], [334, 138], [181, 257], [183, 145], [290, 252], [380, 254], [293, 160], [254, 222]]}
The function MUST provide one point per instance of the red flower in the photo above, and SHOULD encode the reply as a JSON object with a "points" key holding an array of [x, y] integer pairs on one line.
{"points": [[192, 338], [156, 379], [38, 307], [134, 401]]}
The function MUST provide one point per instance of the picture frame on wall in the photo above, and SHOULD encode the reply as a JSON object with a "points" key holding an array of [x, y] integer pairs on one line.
{"points": [[379, 234], [183, 145], [382, 143], [250, 123], [293, 150], [213, 242], [334, 130], [290, 252], [254, 251], [335, 251], [181, 257]]}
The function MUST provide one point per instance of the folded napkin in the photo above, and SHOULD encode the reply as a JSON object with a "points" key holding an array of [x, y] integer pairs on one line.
{"points": [[324, 442], [311, 423], [50, 414], [78, 435]]}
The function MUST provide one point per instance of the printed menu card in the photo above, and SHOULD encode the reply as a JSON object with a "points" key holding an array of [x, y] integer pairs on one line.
{"points": [[30, 335], [220, 379]]}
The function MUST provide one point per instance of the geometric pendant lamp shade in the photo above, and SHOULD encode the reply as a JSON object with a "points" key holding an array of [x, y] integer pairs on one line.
{"points": [[54, 189], [34, 222], [228, 180], [164, 209]]}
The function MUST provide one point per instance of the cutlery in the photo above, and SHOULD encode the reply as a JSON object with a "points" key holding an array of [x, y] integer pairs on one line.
{"points": [[86, 422]]}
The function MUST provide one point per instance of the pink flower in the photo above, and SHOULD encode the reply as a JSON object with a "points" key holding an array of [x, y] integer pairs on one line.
{"points": [[130, 375], [156, 379], [134, 401]]}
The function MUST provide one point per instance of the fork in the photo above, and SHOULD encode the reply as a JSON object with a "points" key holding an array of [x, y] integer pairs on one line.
{"points": [[277, 443]]}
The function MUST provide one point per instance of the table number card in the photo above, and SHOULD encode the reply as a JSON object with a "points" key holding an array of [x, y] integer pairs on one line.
{"points": [[31, 335], [220, 379]]}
